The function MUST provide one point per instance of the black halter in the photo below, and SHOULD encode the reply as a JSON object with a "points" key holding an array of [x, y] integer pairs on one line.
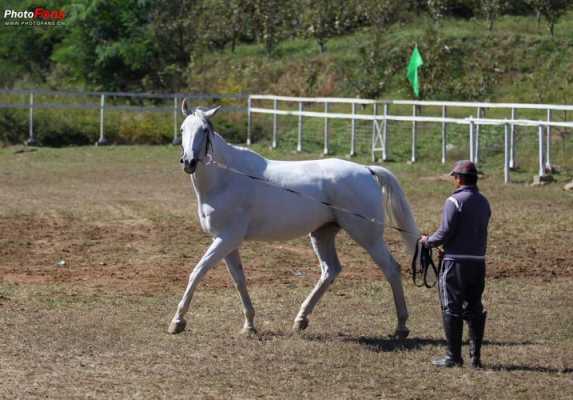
{"points": [[208, 140]]}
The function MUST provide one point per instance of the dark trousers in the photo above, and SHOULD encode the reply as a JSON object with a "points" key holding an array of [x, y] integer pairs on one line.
{"points": [[461, 286]]}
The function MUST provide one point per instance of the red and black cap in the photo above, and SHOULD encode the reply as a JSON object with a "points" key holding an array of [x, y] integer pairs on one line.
{"points": [[464, 167]]}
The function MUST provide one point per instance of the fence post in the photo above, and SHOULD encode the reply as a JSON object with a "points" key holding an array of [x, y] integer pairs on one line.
{"points": [[548, 167], [385, 132], [249, 120], [480, 114], [275, 107], [353, 132], [300, 126], [31, 138], [414, 129], [325, 151], [102, 141], [374, 114], [176, 136], [541, 152], [472, 140], [444, 134], [506, 151], [512, 140]]}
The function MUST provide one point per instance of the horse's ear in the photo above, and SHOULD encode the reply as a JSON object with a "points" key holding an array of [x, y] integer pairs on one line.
{"points": [[211, 112], [185, 107]]}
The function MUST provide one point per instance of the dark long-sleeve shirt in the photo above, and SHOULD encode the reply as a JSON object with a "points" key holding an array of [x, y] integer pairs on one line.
{"points": [[463, 230]]}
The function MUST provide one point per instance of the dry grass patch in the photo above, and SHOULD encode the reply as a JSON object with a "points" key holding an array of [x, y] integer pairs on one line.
{"points": [[60, 342], [123, 220]]}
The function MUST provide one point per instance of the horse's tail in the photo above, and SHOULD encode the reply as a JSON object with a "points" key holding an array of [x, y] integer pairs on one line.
{"points": [[397, 207]]}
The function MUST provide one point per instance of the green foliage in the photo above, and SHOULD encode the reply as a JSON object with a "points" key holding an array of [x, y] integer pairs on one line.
{"points": [[491, 9], [174, 30], [381, 13], [437, 8], [25, 51], [326, 18], [13, 127], [270, 17], [456, 70], [551, 10], [379, 64], [109, 45]]}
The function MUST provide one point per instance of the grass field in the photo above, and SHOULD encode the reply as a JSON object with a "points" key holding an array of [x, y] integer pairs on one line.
{"points": [[96, 245]]}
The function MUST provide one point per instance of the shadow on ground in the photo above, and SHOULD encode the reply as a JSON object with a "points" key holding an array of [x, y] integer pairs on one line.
{"points": [[387, 343], [528, 368]]}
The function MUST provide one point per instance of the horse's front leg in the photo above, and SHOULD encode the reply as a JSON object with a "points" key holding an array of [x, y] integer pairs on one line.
{"points": [[235, 267], [219, 249]]}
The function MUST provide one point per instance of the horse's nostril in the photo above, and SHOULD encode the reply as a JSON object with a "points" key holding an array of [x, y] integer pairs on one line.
{"points": [[181, 160]]}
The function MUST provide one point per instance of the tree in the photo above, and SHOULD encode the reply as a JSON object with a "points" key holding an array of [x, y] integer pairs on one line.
{"points": [[267, 19], [437, 9], [381, 13], [551, 10], [324, 19], [109, 45], [490, 9], [223, 22], [25, 51], [174, 27]]}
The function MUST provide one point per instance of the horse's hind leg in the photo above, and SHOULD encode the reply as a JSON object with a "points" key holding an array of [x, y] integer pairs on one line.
{"points": [[323, 244], [384, 260], [235, 268]]}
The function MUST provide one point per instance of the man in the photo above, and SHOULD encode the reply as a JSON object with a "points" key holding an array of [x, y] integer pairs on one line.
{"points": [[463, 235]]}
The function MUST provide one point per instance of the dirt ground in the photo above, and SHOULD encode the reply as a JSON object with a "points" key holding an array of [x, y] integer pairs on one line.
{"points": [[118, 225]]}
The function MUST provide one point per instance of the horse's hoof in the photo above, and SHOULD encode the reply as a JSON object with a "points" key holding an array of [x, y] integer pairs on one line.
{"points": [[176, 327], [300, 325], [401, 334], [249, 331]]}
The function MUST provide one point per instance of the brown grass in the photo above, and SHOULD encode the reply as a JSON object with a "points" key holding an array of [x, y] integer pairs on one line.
{"points": [[123, 221]]}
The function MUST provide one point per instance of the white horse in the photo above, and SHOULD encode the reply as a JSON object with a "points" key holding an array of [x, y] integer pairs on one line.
{"points": [[233, 208]]}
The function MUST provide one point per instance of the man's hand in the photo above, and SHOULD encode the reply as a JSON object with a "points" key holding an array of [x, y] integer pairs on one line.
{"points": [[424, 240]]}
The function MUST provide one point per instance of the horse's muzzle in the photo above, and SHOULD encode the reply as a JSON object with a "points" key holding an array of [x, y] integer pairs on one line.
{"points": [[189, 166]]}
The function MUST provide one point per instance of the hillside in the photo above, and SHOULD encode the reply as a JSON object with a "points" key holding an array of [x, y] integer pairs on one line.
{"points": [[518, 61]]}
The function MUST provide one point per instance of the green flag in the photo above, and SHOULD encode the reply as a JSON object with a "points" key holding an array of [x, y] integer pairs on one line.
{"points": [[415, 63]]}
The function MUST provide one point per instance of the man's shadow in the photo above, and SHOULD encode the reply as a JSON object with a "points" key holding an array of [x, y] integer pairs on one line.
{"points": [[389, 344]]}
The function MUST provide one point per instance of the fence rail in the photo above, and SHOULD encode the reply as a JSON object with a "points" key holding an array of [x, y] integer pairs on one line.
{"points": [[380, 124], [104, 105], [379, 118]]}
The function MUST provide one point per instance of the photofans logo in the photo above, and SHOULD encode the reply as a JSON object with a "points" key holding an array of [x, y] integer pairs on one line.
{"points": [[36, 17]]}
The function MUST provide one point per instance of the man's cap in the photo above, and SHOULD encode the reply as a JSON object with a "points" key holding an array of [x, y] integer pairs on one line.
{"points": [[464, 167]]}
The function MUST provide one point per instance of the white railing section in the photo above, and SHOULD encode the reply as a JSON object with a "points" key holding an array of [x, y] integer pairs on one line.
{"points": [[103, 106], [380, 126]]}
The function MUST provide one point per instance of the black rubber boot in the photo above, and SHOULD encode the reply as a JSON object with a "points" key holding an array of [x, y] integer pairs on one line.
{"points": [[453, 327], [476, 327]]}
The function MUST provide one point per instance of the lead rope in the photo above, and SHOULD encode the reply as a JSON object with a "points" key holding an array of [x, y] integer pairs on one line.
{"points": [[422, 268]]}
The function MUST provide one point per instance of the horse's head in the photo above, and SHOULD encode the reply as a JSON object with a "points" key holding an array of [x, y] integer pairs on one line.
{"points": [[196, 131]]}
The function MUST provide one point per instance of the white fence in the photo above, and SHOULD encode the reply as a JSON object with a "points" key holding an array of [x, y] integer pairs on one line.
{"points": [[380, 115], [381, 127], [34, 103]]}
